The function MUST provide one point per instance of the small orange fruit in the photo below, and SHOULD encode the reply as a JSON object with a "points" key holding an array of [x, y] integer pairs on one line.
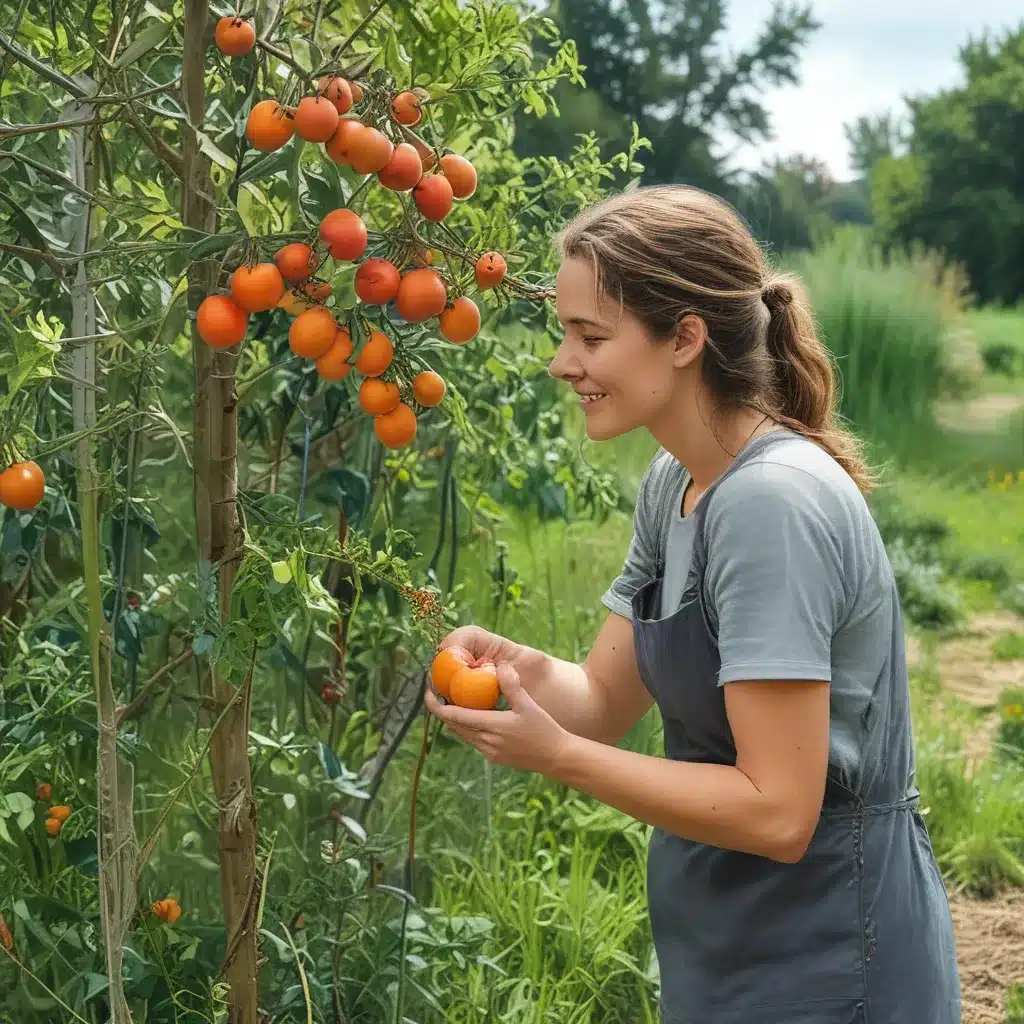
{"points": [[339, 146], [433, 196], [296, 261], [234, 37], [316, 118], [421, 295], [220, 321], [376, 354], [61, 812], [339, 92], [446, 663], [460, 173], [269, 126], [257, 288], [490, 270], [167, 910], [428, 388], [370, 151], [53, 826], [344, 233], [397, 428], [406, 108], [460, 322], [404, 169], [427, 156], [22, 487], [475, 687], [377, 397], [333, 365], [312, 333], [357, 92], [377, 281], [43, 791]]}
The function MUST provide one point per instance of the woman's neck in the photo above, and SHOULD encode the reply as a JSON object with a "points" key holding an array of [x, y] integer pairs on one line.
{"points": [[706, 444]]}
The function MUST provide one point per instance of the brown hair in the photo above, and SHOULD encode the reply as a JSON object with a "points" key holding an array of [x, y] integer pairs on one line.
{"points": [[665, 251]]}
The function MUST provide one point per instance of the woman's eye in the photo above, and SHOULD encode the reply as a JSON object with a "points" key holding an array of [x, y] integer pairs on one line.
{"points": [[590, 341]]}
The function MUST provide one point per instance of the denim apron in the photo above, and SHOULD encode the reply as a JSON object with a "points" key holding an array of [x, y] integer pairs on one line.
{"points": [[859, 930]]}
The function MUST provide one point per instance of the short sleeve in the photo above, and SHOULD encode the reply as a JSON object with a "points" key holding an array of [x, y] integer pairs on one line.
{"points": [[774, 575], [642, 557]]}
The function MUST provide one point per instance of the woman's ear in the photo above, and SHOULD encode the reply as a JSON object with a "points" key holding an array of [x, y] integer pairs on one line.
{"points": [[689, 340]]}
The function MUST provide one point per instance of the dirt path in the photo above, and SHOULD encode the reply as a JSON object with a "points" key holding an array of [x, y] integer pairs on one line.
{"points": [[990, 933]]}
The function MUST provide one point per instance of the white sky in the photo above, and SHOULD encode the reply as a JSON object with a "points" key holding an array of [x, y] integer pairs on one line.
{"points": [[867, 55]]}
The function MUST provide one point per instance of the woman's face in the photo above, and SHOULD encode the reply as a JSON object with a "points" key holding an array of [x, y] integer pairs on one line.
{"points": [[624, 377]]}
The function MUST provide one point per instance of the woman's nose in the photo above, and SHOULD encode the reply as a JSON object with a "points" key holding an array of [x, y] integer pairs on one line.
{"points": [[564, 366]]}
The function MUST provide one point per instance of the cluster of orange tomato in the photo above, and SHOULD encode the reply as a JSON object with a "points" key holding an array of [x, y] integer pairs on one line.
{"points": [[55, 816], [418, 294], [463, 680]]}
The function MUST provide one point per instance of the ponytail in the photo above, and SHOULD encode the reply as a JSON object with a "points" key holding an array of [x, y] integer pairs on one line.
{"points": [[805, 380]]}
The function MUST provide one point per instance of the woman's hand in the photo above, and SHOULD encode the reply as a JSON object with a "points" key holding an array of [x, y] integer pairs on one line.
{"points": [[524, 737], [530, 664]]}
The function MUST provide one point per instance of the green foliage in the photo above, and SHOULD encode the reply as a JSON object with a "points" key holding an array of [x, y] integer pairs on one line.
{"points": [[957, 188], [885, 320]]}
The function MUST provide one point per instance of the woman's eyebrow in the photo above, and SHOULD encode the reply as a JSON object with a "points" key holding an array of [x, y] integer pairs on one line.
{"points": [[581, 321]]}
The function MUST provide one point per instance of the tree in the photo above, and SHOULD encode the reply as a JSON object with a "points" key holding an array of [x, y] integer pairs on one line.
{"points": [[224, 584], [874, 138], [959, 187], [664, 66]]}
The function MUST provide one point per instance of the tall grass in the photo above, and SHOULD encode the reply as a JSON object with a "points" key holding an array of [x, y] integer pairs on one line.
{"points": [[888, 321]]}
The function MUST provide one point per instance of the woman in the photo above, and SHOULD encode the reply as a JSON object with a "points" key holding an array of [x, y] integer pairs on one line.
{"points": [[791, 879]]}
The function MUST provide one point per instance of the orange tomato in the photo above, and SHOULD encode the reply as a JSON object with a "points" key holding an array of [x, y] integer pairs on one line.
{"points": [[370, 151], [234, 37], [221, 322], [428, 388], [316, 119], [404, 169], [344, 233], [53, 826], [269, 126], [333, 365], [339, 146], [406, 108], [167, 910], [296, 261], [339, 92], [357, 92], [460, 322], [446, 663], [312, 333], [257, 288], [421, 295], [377, 397], [22, 487], [377, 281], [43, 791], [433, 196], [475, 687], [490, 270], [460, 173], [397, 428], [376, 354], [61, 812]]}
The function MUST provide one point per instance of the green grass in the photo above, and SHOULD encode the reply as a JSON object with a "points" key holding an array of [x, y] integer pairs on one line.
{"points": [[1009, 647], [1000, 338]]}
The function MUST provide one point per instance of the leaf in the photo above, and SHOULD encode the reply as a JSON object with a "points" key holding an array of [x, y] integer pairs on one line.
{"points": [[329, 759], [202, 643], [268, 165], [19, 802], [4, 834], [282, 571], [289, 801], [345, 487], [317, 196], [151, 36], [213, 243], [215, 153], [82, 854], [25, 224], [96, 983]]}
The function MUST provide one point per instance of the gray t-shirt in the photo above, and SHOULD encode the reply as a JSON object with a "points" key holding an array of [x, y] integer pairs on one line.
{"points": [[798, 582]]}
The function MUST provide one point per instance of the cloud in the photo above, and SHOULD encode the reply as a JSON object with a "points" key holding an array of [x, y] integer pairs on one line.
{"points": [[866, 58]]}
